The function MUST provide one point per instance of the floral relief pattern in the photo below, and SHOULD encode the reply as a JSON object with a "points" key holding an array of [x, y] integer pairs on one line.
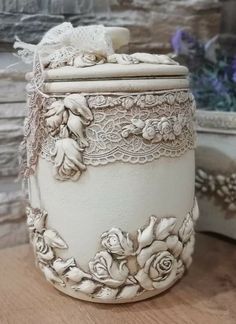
{"points": [[66, 120], [69, 56], [159, 252], [166, 129], [221, 186], [135, 128]]}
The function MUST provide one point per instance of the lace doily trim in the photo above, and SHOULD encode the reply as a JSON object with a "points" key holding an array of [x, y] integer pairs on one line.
{"points": [[134, 128]]}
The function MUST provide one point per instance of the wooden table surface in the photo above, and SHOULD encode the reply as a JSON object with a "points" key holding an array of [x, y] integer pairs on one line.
{"points": [[206, 295]]}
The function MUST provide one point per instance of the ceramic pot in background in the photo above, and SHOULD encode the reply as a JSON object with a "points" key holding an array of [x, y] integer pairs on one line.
{"points": [[215, 172]]}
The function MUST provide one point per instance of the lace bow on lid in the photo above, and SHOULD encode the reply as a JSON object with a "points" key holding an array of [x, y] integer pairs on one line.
{"points": [[64, 41]]}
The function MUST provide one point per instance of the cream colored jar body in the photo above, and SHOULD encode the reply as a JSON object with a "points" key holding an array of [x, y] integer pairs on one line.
{"points": [[116, 195], [112, 199]]}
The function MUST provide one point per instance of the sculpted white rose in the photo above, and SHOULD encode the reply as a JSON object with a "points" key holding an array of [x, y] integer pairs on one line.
{"points": [[107, 270], [165, 128], [117, 242], [68, 160], [149, 132], [158, 272], [87, 59]]}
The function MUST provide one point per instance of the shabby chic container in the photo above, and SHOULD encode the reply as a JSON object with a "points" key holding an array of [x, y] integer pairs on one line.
{"points": [[110, 161]]}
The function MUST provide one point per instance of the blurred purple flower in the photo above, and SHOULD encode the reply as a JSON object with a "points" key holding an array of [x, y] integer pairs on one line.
{"points": [[183, 43], [218, 85], [212, 71]]}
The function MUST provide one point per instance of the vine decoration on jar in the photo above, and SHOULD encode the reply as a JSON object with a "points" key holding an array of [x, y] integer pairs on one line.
{"points": [[158, 254]]}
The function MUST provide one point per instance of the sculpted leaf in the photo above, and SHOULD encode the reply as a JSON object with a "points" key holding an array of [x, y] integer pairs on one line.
{"points": [[76, 274], [77, 104], [130, 280], [106, 293], [146, 236], [51, 275], [164, 227], [174, 245], [53, 239], [187, 252], [186, 228], [128, 291], [122, 59], [153, 58], [86, 286], [180, 269], [195, 211], [42, 249], [48, 256], [60, 265], [76, 125]]}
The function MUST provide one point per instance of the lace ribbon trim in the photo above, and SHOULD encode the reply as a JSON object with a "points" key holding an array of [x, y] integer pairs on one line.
{"points": [[34, 126]]}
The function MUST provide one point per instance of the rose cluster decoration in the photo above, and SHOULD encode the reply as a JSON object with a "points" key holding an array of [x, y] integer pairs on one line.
{"points": [[127, 265], [159, 129], [66, 120]]}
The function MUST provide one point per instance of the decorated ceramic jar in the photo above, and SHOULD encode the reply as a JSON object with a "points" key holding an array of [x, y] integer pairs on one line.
{"points": [[110, 161]]}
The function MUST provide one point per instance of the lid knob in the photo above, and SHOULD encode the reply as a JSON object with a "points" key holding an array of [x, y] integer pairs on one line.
{"points": [[120, 36]]}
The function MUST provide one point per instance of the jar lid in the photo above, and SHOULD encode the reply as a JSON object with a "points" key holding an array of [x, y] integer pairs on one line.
{"points": [[83, 59], [110, 77], [116, 71]]}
